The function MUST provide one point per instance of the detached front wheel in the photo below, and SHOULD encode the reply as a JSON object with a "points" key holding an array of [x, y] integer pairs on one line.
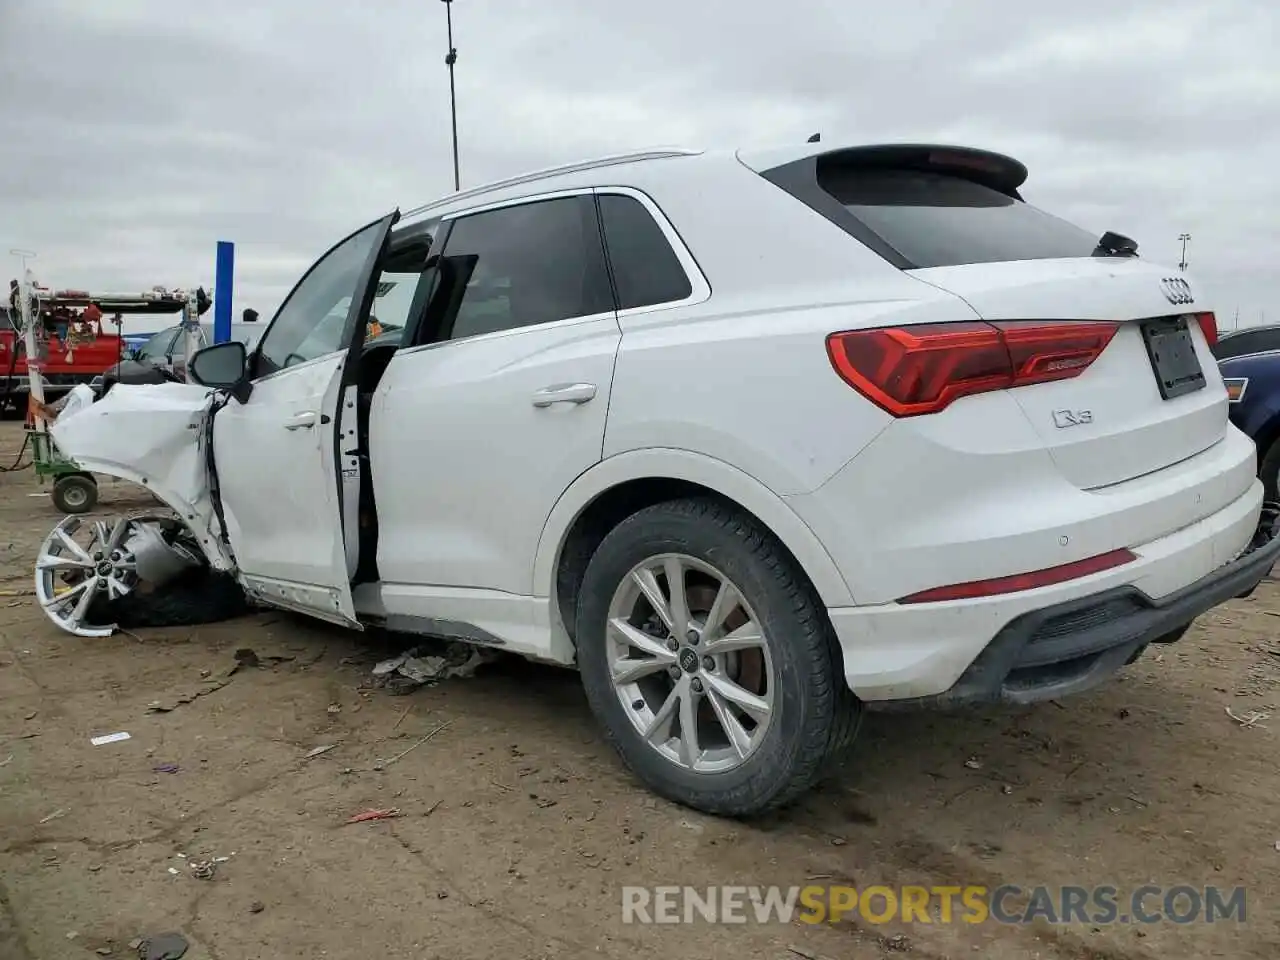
{"points": [[709, 660], [92, 578]]}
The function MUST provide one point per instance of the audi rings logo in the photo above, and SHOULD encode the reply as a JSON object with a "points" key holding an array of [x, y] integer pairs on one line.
{"points": [[1176, 290]]}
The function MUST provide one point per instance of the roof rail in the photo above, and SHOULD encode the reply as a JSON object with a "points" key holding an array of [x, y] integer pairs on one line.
{"points": [[655, 154]]}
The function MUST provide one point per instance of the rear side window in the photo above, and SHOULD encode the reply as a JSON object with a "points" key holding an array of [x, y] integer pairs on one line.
{"points": [[645, 269], [527, 264]]}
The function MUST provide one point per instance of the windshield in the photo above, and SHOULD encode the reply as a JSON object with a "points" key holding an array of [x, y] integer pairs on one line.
{"points": [[158, 347], [939, 220]]}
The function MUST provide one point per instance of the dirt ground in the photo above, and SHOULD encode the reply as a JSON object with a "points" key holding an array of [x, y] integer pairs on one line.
{"points": [[518, 829]]}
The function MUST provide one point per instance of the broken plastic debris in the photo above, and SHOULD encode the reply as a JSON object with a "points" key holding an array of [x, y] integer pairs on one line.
{"points": [[202, 869], [109, 738], [311, 754], [166, 768], [436, 662]]}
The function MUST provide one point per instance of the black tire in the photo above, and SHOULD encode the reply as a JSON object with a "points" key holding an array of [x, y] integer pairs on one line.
{"points": [[1269, 471], [197, 597], [817, 716], [75, 493]]}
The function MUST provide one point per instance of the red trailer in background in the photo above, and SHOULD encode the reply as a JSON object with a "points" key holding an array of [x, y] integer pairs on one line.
{"points": [[78, 337]]}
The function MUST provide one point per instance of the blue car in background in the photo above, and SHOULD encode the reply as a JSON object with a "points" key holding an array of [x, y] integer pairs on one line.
{"points": [[1250, 364]]}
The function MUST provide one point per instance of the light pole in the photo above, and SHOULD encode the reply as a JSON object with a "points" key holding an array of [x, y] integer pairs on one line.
{"points": [[1182, 264], [450, 59]]}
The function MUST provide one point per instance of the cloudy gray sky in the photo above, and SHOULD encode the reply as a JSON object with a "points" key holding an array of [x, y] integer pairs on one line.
{"points": [[134, 134]]}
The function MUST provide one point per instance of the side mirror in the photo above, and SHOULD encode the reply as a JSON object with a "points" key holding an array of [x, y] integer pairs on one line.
{"points": [[222, 366]]}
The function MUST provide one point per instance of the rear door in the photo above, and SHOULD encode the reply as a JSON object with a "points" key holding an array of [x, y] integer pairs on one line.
{"points": [[494, 408]]}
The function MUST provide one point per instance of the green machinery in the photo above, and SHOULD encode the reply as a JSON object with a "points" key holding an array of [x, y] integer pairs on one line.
{"points": [[74, 490]]}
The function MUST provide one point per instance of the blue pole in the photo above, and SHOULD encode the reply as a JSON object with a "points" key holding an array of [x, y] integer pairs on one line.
{"points": [[222, 291]]}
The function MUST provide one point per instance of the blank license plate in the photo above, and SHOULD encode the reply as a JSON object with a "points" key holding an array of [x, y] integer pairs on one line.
{"points": [[1173, 356]]}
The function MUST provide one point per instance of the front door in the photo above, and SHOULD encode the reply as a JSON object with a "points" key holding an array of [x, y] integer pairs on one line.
{"points": [[276, 455]]}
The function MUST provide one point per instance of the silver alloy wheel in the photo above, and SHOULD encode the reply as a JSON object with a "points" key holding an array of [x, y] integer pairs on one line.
{"points": [[690, 663], [80, 561]]}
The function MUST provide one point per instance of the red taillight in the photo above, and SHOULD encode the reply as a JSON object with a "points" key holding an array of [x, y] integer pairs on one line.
{"points": [[915, 370], [1023, 581], [1208, 326]]}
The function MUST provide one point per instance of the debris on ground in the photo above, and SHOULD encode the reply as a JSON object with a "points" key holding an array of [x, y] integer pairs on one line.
{"points": [[431, 663], [973, 763], [257, 906], [318, 751], [381, 764], [366, 815], [168, 706], [246, 658], [166, 946], [202, 869], [165, 768], [53, 816], [1250, 719], [109, 738]]}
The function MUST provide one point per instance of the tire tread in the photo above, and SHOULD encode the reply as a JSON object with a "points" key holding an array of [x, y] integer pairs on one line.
{"points": [[834, 717]]}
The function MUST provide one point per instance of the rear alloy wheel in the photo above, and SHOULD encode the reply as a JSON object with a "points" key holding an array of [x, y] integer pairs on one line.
{"points": [[709, 660]]}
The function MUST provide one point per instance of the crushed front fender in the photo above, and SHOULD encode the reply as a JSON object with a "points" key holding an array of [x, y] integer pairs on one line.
{"points": [[153, 435]]}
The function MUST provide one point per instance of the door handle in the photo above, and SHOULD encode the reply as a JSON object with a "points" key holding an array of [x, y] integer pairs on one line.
{"points": [[300, 420], [564, 393]]}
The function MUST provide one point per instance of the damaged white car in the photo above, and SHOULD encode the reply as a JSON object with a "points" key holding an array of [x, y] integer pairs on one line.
{"points": [[754, 440]]}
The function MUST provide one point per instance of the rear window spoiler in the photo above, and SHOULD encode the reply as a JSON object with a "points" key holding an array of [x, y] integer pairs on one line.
{"points": [[994, 170]]}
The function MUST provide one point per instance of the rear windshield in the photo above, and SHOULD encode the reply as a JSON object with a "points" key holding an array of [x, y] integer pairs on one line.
{"points": [[1247, 342], [939, 220]]}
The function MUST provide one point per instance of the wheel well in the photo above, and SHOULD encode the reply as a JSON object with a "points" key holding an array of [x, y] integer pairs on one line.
{"points": [[604, 513]]}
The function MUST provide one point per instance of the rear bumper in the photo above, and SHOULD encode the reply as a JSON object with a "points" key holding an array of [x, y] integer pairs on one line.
{"points": [[1046, 643], [1072, 646]]}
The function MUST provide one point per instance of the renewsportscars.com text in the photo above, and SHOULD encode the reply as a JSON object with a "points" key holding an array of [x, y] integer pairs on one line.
{"points": [[974, 904]]}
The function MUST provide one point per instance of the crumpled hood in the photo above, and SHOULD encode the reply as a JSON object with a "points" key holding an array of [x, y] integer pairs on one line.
{"points": [[153, 435]]}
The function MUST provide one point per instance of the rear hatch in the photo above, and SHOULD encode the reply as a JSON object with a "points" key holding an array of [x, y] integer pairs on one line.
{"points": [[954, 218], [1153, 398]]}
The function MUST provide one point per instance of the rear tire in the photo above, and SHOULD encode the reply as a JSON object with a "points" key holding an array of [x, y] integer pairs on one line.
{"points": [[812, 716], [75, 493]]}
